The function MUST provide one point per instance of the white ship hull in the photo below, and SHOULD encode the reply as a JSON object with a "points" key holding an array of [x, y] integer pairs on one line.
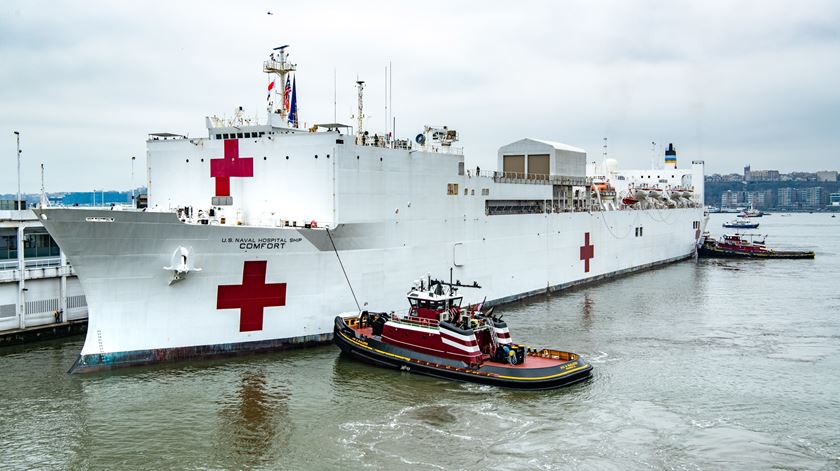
{"points": [[137, 316]]}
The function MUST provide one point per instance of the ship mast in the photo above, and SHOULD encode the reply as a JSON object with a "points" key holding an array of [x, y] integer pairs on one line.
{"points": [[360, 85], [278, 64]]}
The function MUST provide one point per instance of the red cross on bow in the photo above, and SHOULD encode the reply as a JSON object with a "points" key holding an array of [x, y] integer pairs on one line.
{"points": [[587, 252], [230, 166], [252, 296]]}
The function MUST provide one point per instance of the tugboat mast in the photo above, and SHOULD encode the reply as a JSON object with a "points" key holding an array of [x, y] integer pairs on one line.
{"points": [[279, 65]]}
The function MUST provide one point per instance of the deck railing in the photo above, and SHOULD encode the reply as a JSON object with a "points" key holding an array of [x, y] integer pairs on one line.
{"points": [[420, 321]]}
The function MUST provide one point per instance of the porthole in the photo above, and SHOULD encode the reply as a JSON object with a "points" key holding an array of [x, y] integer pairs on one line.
{"points": [[357, 157], [328, 156], [188, 160], [265, 158], [316, 156], [287, 157]]}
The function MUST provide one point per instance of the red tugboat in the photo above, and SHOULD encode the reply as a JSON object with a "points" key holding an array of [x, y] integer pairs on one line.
{"points": [[745, 246], [438, 337]]}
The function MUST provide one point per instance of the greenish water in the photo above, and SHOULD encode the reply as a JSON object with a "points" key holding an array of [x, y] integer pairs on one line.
{"points": [[709, 365]]}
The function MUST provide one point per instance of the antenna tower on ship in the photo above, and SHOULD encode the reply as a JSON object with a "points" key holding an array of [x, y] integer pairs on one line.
{"points": [[360, 85], [604, 163], [43, 193], [653, 155], [279, 65]]}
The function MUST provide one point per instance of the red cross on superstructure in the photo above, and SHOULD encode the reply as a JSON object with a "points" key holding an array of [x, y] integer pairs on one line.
{"points": [[587, 252], [252, 296], [230, 166]]}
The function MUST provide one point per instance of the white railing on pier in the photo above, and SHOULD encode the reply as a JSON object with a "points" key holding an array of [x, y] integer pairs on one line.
{"points": [[32, 263]]}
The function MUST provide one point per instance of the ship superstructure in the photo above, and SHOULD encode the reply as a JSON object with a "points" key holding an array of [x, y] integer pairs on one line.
{"points": [[258, 233]]}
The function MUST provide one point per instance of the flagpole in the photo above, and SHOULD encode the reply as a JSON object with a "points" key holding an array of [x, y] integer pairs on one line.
{"points": [[391, 96], [17, 135]]}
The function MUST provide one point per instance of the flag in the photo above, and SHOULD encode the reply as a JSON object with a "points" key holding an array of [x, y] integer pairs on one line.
{"points": [[287, 92], [271, 85], [293, 112]]}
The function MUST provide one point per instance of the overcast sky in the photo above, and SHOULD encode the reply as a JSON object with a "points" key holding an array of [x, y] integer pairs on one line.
{"points": [[729, 82]]}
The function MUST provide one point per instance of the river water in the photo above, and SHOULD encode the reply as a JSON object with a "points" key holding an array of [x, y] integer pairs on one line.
{"points": [[707, 365]]}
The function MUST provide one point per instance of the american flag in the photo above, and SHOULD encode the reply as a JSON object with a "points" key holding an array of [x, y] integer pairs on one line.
{"points": [[287, 94]]}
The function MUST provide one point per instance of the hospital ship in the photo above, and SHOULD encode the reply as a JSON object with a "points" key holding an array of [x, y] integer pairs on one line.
{"points": [[257, 234]]}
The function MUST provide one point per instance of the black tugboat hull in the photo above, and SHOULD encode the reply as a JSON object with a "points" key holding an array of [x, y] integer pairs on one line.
{"points": [[706, 252], [377, 353]]}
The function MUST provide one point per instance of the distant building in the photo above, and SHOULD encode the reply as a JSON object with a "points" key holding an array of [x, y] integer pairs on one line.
{"points": [[834, 199], [786, 197], [731, 199], [803, 176], [827, 176], [747, 173], [732, 177], [812, 197], [762, 175], [759, 199]]}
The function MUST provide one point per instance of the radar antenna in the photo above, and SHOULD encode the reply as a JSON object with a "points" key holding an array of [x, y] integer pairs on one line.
{"points": [[278, 64]]}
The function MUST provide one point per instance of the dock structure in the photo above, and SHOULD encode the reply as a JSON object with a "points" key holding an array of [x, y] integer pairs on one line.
{"points": [[40, 296]]}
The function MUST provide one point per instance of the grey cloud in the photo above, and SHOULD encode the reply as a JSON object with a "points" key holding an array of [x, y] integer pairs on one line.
{"points": [[729, 82]]}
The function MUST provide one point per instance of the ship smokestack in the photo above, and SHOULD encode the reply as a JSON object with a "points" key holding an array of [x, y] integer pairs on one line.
{"points": [[671, 156]]}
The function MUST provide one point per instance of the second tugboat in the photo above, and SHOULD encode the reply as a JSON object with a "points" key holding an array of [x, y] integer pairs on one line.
{"points": [[745, 246], [438, 337]]}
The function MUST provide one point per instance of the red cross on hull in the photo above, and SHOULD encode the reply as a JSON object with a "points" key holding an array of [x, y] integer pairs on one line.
{"points": [[587, 252], [252, 296], [230, 166]]}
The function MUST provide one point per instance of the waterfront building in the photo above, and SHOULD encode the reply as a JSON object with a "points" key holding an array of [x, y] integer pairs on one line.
{"points": [[759, 199], [731, 199], [812, 197], [786, 197], [37, 285]]}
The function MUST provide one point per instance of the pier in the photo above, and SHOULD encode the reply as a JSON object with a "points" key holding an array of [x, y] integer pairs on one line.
{"points": [[40, 296]]}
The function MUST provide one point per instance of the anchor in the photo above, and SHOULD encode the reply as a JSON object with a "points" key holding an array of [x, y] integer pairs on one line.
{"points": [[180, 265]]}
